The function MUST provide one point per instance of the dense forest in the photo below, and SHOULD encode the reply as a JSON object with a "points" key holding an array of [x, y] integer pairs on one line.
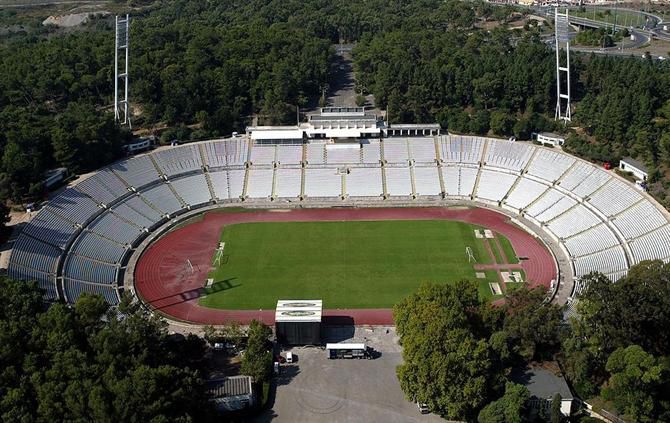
{"points": [[201, 70], [618, 348], [615, 353], [458, 350], [87, 363]]}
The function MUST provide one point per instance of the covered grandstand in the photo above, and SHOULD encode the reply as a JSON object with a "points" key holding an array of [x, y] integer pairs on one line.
{"points": [[80, 241]]}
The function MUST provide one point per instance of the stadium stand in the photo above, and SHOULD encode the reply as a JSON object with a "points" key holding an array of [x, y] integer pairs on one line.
{"points": [[259, 184], [472, 149], [79, 241], [288, 183], [584, 179], [289, 154], [192, 189], [73, 290], [235, 183], [323, 183], [364, 182], [176, 161], [398, 181], [220, 184], [494, 185], [343, 155], [96, 189], [263, 154], [110, 226], [395, 150], [451, 176], [162, 198], [94, 246], [371, 152], [525, 192], [422, 150], [124, 211], [550, 165], [427, 181], [595, 239], [316, 154], [466, 181], [614, 197], [84, 269], [573, 221], [508, 155], [51, 228], [450, 149], [638, 220], [137, 172]]}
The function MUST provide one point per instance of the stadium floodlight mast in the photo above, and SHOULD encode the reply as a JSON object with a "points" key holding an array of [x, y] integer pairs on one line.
{"points": [[562, 27], [122, 34]]}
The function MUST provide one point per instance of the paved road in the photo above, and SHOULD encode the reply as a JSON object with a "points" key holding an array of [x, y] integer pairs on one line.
{"points": [[650, 29], [342, 91], [316, 389]]}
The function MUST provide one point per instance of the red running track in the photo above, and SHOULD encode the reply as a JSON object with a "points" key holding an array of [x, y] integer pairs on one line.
{"points": [[162, 280]]}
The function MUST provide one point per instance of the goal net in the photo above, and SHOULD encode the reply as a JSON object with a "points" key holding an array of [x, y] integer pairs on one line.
{"points": [[470, 254]]}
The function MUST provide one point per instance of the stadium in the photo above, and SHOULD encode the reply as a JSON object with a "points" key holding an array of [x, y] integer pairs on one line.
{"points": [[218, 230]]}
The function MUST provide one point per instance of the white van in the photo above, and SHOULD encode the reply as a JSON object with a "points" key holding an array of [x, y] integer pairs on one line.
{"points": [[289, 357]]}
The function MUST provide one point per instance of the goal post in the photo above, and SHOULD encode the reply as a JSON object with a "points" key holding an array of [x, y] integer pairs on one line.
{"points": [[470, 254], [219, 254]]}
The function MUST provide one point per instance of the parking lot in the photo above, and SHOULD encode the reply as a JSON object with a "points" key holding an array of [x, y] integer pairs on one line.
{"points": [[315, 388]]}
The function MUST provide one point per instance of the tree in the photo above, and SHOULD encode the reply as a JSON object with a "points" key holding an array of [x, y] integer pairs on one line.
{"points": [[501, 123], [360, 100], [510, 408], [64, 363], [479, 124], [638, 384], [634, 311], [611, 317], [438, 326], [257, 359], [532, 327]]}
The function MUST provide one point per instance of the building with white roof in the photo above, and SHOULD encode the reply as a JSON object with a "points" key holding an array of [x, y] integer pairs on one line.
{"points": [[338, 124], [637, 168]]}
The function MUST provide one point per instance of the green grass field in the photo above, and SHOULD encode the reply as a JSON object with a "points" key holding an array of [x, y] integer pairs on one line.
{"points": [[353, 264], [622, 18], [508, 250]]}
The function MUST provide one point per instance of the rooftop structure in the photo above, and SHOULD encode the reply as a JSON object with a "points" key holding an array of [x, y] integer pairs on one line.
{"points": [[298, 311], [231, 393], [550, 138], [637, 168], [543, 384], [338, 124]]}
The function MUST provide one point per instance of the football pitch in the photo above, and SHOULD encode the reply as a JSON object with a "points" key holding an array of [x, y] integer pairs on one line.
{"points": [[348, 264]]}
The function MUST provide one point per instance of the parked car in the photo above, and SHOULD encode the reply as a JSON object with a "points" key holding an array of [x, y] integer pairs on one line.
{"points": [[423, 407]]}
